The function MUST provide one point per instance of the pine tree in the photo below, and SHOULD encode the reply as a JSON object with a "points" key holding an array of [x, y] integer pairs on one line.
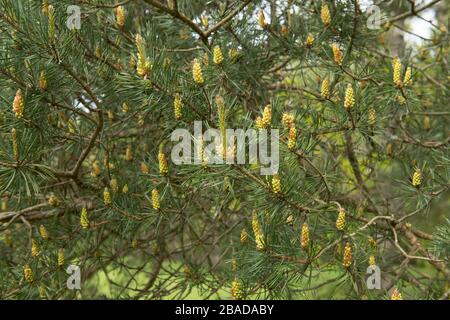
{"points": [[87, 175]]}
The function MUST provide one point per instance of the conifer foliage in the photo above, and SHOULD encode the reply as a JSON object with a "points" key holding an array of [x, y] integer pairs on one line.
{"points": [[86, 170]]}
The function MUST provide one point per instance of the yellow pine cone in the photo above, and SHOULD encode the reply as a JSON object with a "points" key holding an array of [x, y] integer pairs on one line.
{"points": [[401, 100], [155, 199], [4, 205], [340, 221], [144, 168], [261, 19], [417, 178], [15, 144], [396, 73], [42, 293], [129, 153], [258, 123], [43, 232], [43, 84], [290, 220], [125, 188], [259, 237], [396, 295], [372, 242], [372, 261], [276, 184], [143, 66], [106, 197], [204, 20], [236, 290], [305, 236], [407, 81], [309, 40], [266, 116], [53, 200], [217, 55], [95, 172], [325, 15], [120, 16], [18, 104], [287, 119], [163, 168], [125, 107], [34, 248], [60, 257], [337, 53], [84, 221], [325, 89], [349, 100], [292, 137], [114, 185], [371, 116], [28, 273], [197, 72], [132, 62], [177, 105], [244, 235], [347, 260]]}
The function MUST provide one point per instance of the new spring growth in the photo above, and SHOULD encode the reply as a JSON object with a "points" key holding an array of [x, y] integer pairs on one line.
{"points": [[397, 70], [244, 235], [407, 81], [163, 167], [177, 106], [53, 200], [34, 248], [60, 257], [325, 15], [84, 221], [204, 20], [276, 184], [217, 55], [51, 23], [43, 84], [264, 122], [396, 295], [337, 54], [197, 72], [259, 237], [42, 293], [325, 89], [28, 273], [222, 121], [416, 178], [144, 168], [347, 260], [340, 221], [106, 197], [43, 232], [292, 137], [349, 100], [120, 16], [155, 199], [18, 104], [95, 171], [143, 64], [261, 19], [372, 261], [309, 40], [371, 116], [236, 290], [15, 144], [45, 7], [304, 239], [287, 119], [114, 185], [129, 153]]}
